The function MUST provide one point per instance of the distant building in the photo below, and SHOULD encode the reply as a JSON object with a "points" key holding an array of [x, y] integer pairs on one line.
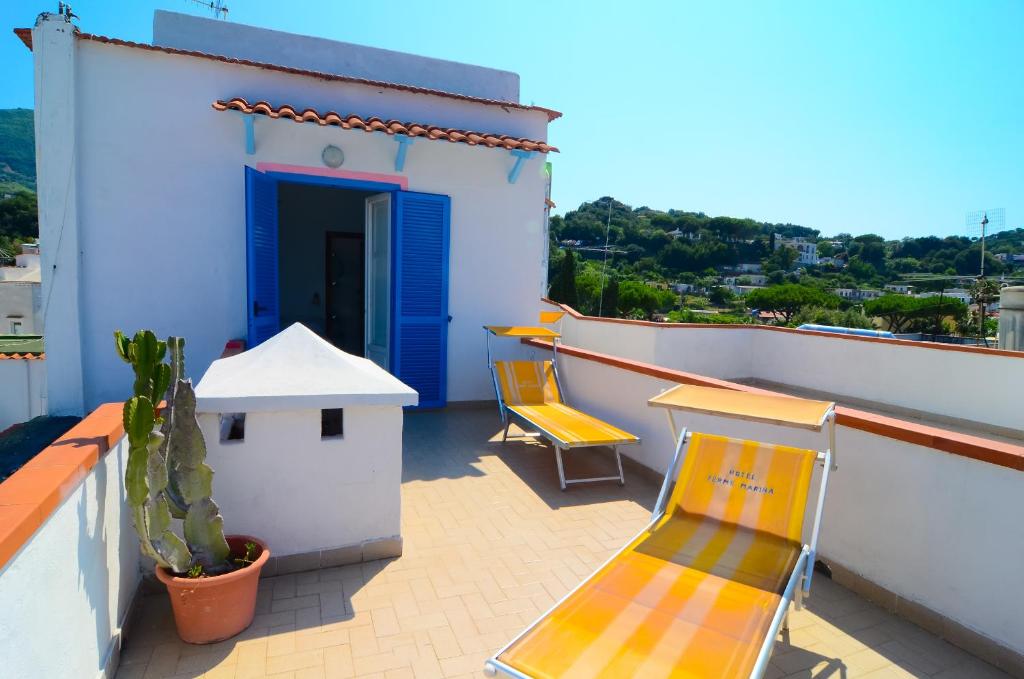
{"points": [[21, 294], [900, 288], [857, 295], [747, 268], [808, 250], [956, 293], [750, 280], [1007, 258], [831, 261]]}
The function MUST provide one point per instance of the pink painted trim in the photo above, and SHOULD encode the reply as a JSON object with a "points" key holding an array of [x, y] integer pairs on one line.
{"points": [[337, 174]]}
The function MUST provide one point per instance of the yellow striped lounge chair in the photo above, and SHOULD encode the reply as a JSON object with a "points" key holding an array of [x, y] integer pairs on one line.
{"points": [[529, 391], [703, 589]]}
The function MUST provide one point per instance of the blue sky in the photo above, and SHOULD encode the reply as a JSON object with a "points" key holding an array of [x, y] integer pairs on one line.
{"points": [[889, 117]]}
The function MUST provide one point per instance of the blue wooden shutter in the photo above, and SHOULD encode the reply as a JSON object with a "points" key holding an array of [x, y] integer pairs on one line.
{"points": [[261, 256], [419, 347]]}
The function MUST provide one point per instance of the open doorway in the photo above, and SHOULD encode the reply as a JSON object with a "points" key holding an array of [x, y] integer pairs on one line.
{"points": [[333, 264]]}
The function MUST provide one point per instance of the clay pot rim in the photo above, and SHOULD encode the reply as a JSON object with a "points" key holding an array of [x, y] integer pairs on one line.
{"points": [[169, 579]]}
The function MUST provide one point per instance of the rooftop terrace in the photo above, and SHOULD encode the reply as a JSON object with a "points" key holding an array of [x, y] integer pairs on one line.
{"points": [[490, 543]]}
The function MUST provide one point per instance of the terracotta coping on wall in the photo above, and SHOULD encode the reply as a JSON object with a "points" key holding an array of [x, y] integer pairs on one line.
{"points": [[25, 35], [30, 495], [974, 447], [909, 344], [377, 124]]}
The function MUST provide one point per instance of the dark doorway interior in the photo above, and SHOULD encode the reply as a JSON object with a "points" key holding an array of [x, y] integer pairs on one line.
{"points": [[321, 259], [345, 285]]}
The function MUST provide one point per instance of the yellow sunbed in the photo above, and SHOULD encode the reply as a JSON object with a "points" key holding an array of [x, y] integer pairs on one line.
{"points": [[704, 588], [530, 391]]}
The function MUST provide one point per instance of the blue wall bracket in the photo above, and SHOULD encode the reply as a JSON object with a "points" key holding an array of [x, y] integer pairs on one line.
{"points": [[521, 157], [404, 142], [250, 132]]}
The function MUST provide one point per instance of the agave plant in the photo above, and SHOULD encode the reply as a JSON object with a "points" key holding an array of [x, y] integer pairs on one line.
{"points": [[167, 477]]}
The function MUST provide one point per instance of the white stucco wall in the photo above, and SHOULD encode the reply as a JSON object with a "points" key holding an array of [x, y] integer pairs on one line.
{"points": [[64, 597], [300, 493], [161, 209], [200, 34], [972, 386], [938, 529], [20, 302], [22, 390]]}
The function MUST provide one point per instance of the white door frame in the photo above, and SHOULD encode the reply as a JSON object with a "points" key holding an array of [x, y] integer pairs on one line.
{"points": [[378, 353]]}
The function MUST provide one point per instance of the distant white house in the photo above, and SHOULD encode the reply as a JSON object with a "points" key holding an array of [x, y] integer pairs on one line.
{"points": [[857, 295], [748, 280], [21, 294], [1008, 258], [807, 249], [955, 293], [747, 268], [900, 288], [226, 181]]}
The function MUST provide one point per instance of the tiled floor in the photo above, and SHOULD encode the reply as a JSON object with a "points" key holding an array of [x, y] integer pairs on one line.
{"points": [[490, 543]]}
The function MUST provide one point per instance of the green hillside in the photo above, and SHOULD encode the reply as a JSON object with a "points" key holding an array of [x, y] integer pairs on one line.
{"points": [[17, 149]]}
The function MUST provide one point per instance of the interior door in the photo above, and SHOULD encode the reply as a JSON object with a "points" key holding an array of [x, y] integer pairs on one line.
{"points": [[346, 296], [419, 334], [263, 311], [378, 278]]}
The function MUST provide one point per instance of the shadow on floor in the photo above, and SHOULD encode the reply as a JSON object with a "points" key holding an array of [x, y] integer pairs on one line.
{"points": [[459, 443]]}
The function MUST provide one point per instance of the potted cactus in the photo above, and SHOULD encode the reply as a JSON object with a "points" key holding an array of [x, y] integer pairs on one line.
{"points": [[211, 579]]}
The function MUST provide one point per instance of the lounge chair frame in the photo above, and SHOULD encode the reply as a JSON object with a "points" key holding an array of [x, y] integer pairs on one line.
{"points": [[508, 415], [797, 587]]}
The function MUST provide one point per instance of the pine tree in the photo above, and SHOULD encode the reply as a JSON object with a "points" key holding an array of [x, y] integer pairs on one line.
{"points": [[564, 288], [610, 299]]}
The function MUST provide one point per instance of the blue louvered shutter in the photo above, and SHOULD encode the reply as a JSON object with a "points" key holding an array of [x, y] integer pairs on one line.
{"points": [[419, 347], [261, 256]]}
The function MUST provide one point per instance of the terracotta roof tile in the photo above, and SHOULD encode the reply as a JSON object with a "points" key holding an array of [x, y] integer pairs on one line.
{"points": [[25, 34], [26, 356], [374, 124]]}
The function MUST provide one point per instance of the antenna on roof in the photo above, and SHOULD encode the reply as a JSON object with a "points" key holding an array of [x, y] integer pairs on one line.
{"points": [[217, 7], [984, 222]]}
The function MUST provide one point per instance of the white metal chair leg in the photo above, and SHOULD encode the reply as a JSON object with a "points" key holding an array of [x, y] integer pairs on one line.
{"points": [[561, 469], [785, 621], [618, 460]]}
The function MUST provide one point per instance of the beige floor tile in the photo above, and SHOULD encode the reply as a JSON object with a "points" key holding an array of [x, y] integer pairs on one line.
{"points": [[490, 542]]}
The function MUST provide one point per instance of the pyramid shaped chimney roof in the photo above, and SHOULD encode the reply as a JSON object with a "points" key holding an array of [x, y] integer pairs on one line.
{"points": [[297, 370]]}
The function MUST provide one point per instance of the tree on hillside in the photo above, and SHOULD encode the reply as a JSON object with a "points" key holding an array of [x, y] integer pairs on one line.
{"points": [[781, 259], [18, 220], [789, 298], [564, 288], [896, 310], [610, 299]]}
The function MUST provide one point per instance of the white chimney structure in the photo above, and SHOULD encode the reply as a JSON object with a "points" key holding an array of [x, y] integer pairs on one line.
{"points": [[306, 444], [1011, 318]]}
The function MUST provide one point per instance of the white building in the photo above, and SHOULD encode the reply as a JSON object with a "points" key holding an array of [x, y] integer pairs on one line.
{"points": [[301, 434], [954, 293], [748, 268], [900, 288], [196, 205], [748, 280], [20, 294], [808, 250], [856, 294]]}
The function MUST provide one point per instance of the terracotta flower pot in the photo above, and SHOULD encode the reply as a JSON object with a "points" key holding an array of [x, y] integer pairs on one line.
{"points": [[220, 606]]}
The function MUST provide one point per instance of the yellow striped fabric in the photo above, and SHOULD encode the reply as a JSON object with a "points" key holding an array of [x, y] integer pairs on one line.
{"points": [[548, 317], [527, 382], [570, 427], [529, 390], [695, 596]]}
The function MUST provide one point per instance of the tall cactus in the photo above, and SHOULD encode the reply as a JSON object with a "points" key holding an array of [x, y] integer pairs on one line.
{"points": [[167, 476]]}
